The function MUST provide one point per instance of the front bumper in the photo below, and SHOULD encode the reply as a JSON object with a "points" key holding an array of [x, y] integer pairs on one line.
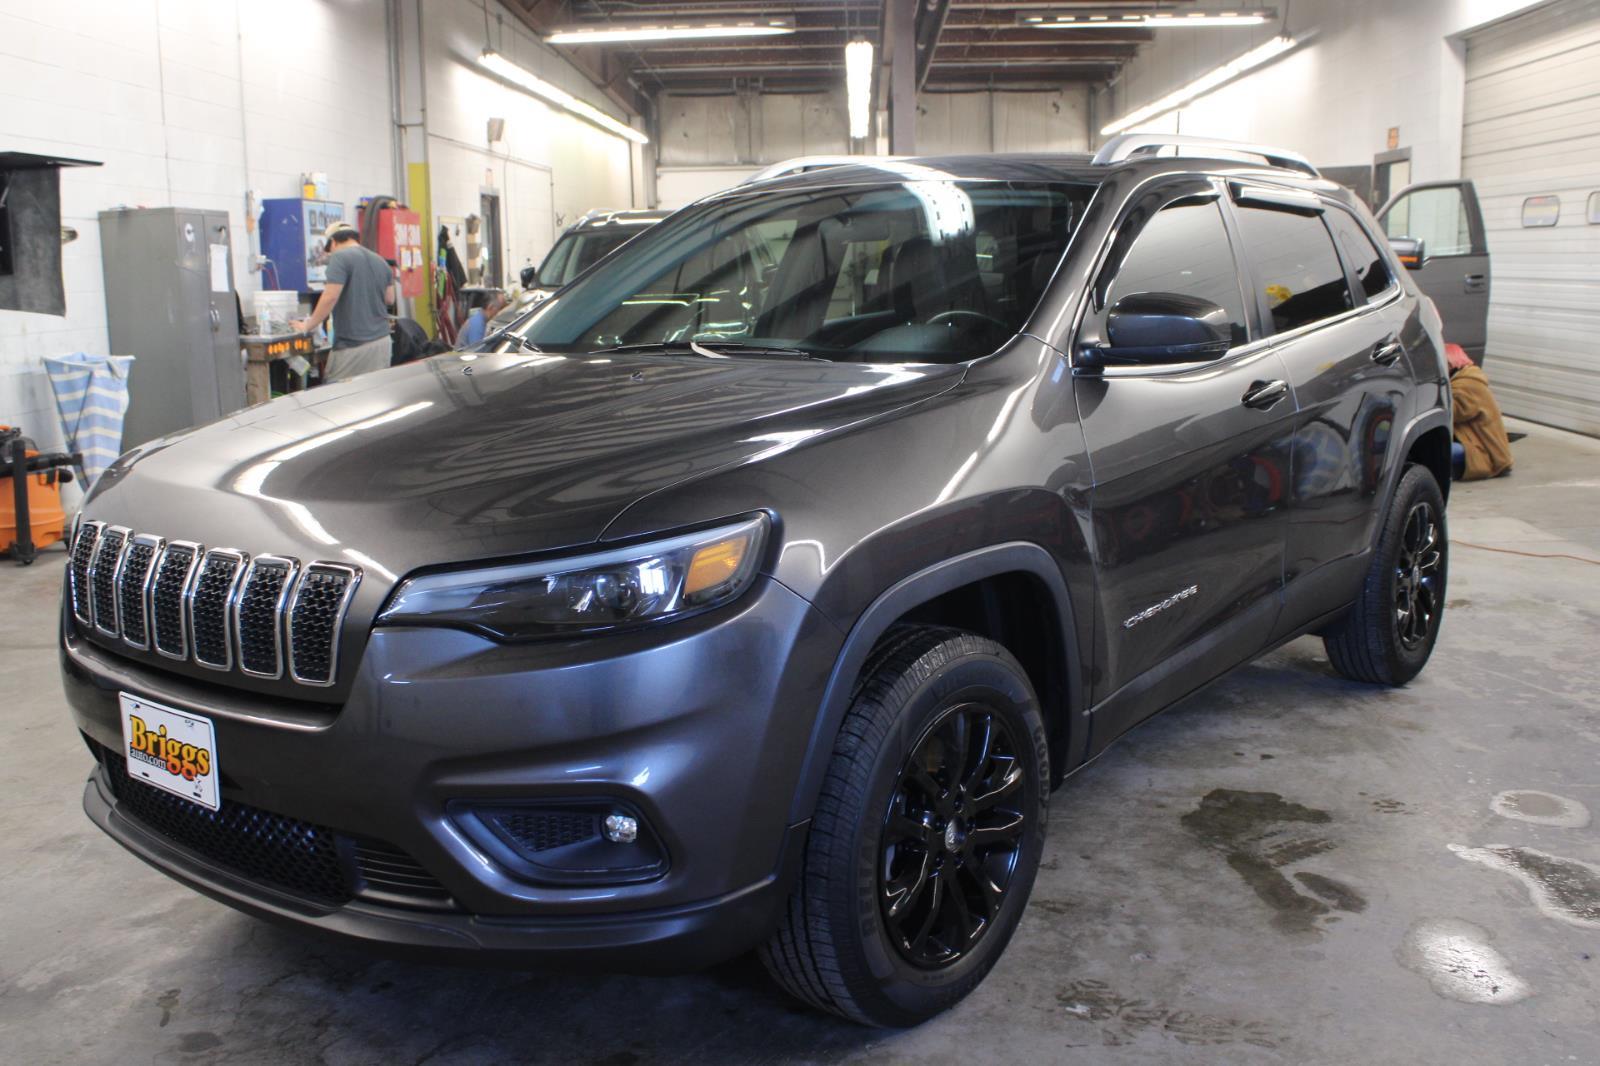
{"points": [[699, 726]]}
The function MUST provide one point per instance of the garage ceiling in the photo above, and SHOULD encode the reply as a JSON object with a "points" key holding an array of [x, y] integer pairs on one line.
{"points": [[961, 44]]}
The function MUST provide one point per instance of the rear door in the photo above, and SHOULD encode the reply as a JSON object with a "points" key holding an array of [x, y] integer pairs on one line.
{"points": [[1454, 260], [1190, 466], [1336, 316]]}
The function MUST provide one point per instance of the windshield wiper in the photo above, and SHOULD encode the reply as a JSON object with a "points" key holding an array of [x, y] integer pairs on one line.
{"points": [[506, 335], [716, 349]]}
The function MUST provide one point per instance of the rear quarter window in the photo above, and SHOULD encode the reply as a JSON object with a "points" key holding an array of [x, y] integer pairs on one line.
{"points": [[1371, 269], [1299, 275]]}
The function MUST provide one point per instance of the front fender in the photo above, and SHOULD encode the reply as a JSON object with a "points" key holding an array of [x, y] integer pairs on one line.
{"points": [[909, 593]]}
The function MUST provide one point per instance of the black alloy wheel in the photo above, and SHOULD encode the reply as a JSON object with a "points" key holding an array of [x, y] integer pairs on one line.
{"points": [[952, 836], [1418, 571], [926, 836], [1389, 631]]}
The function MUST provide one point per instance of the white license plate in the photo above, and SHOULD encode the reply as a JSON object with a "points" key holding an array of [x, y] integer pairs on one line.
{"points": [[170, 749]]}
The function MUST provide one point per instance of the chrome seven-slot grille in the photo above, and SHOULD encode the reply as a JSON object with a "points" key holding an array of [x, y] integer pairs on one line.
{"points": [[266, 617]]}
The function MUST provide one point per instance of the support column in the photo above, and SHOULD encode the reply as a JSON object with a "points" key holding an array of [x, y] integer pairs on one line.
{"points": [[900, 42]]}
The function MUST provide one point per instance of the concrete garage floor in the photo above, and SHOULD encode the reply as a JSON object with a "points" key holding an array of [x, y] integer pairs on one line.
{"points": [[1286, 868]]}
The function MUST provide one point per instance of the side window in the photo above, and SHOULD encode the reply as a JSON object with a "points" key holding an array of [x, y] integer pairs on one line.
{"points": [[1436, 217], [1295, 264], [1371, 270], [1184, 249]]}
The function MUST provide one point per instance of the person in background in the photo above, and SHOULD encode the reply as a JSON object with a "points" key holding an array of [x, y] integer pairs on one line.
{"points": [[357, 296], [1481, 448], [477, 323]]}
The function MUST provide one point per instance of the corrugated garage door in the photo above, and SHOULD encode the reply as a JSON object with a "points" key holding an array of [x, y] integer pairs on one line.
{"points": [[1532, 130]]}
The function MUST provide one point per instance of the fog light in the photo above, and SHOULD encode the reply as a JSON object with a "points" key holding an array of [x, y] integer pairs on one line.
{"points": [[621, 829]]}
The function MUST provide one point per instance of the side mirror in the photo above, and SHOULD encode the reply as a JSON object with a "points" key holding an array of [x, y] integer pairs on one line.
{"points": [[1410, 250], [1155, 328], [530, 277]]}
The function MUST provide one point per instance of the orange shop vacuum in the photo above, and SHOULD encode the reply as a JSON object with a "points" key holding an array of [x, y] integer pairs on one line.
{"points": [[31, 516]]}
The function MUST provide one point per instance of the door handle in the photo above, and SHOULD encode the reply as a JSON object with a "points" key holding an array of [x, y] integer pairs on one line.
{"points": [[216, 321], [1388, 354], [1474, 283], [1263, 394]]}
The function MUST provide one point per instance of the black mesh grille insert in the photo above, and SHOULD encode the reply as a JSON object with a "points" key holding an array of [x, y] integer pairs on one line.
{"points": [[102, 581], [166, 599], [82, 552], [287, 853], [130, 591], [534, 830], [388, 871], [259, 622], [314, 621], [208, 610]]}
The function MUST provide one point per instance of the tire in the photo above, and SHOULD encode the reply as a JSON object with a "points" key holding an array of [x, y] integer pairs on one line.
{"points": [[1391, 629], [893, 852]]}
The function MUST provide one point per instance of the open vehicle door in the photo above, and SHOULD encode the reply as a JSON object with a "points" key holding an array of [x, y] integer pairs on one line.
{"points": [[1437, 230]]}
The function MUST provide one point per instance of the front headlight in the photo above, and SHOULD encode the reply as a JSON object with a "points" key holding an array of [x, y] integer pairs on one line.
{"points": [[603, 590]]}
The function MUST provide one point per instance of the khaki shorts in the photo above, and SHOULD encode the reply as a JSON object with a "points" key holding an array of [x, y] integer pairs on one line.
{"points": [[346, 363]]}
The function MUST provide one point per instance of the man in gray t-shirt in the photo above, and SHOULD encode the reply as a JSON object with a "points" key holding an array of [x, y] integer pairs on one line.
{"points": [[358, 293]]}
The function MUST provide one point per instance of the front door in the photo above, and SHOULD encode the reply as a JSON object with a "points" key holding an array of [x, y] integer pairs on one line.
{"points": [[1453, 264], [1190, 465]]}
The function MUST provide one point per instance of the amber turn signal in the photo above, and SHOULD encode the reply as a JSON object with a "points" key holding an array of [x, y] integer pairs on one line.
{"points": [[715, 564]]}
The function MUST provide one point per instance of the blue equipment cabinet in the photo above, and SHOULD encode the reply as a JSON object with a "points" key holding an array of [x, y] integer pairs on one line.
{"points": [[291, 236]]}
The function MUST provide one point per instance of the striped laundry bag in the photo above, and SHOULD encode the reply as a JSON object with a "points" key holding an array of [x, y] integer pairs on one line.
{"points": [[92, 399]]}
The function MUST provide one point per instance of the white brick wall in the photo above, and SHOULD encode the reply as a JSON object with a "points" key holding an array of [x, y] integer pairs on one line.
{"points": [[188, 103]]}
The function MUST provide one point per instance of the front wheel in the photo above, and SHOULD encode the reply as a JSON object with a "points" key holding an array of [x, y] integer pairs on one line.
{"points": [[1390, 631], [926, 837]]}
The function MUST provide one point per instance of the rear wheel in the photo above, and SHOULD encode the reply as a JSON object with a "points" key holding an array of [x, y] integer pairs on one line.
{"points": [[1390, 631], [926, 838]]}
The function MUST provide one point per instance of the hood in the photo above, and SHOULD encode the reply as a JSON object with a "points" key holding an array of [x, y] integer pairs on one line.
{"points": [[468, 456]]}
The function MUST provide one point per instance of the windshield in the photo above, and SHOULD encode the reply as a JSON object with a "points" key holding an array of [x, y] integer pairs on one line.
{"points": [[577, 251], [915, 271]]}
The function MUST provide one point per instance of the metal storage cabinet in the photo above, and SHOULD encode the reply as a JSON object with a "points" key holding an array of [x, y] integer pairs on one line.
{"points": [[170, 303]]}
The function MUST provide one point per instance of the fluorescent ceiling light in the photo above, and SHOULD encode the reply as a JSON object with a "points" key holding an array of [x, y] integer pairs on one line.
{"points": [[1152, 20], [858, 86], [1203, 84], [526, 80], [617, 34]]}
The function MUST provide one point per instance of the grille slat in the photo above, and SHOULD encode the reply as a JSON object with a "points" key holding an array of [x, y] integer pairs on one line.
{"points": [[388, 871], [315, 611], [258, 616], [168, 627], [132, 576], [210, 605], [219, 608], [82, 556]]}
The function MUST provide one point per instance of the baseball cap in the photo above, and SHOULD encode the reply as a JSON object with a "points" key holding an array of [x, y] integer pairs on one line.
{"points": [[336, 226]]}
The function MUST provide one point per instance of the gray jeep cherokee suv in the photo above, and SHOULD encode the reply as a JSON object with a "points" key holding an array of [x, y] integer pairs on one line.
{"points": [[756, 589]]}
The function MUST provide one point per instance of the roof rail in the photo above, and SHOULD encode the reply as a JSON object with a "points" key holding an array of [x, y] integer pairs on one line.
{"points": [[1127, 145]]}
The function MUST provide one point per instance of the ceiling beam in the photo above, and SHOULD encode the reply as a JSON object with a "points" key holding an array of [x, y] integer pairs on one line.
{"points": [[931, 15]]}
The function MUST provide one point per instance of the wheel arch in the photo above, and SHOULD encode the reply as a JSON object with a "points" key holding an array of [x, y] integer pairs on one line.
{"points": [[945, 593], [1426, 442]]}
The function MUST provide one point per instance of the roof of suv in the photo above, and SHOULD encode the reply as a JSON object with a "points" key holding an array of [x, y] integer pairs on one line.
{"points": [[1136, 152], [599, 218]]}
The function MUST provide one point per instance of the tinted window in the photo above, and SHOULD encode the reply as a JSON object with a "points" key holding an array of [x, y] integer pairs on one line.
{"points": [[1184, 249], [1371, 270], [921, 270], [1295, 265], [576, 252], [1436, 217]]}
